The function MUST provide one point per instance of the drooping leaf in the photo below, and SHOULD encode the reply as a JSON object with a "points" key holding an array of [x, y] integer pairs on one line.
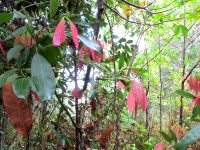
{"points": [[74, 31], [184, 93], [41, 69], [21, 87], [14, 52], [53, 7], [18, 110], [136, 96], [59, 34], [4, 17], [192, 136], [7, 74], [131, 102], [165, 136], [91, 44]]}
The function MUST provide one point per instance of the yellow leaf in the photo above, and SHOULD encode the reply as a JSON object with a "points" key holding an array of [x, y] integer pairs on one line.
{"points": [[143, 3]]}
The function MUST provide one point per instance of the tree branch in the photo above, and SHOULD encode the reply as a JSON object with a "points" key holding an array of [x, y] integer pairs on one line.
{"points": [[96, 32]]}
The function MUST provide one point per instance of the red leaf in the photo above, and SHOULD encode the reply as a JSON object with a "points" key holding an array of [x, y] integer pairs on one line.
{"points": [[77, 93], [96, 56], [161, 147], [105, 137], [74, 34], [59, 34], [25, 39], [1, 47], [18, 110], [136, 96], [93, 105], [196, 100], [193, 84], [36, 96], [101, 99], [131, 101], [80, 64], [120, 84]]}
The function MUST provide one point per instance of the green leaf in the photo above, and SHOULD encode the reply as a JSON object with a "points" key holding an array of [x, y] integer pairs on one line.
{"points": [[195, 112], [53, 7], [41, 69], [140, 70], [4, 17], [92, 94], [165, 136], [184, 30], [121, 61], [13, 52], [189, 138], [21, 87], [174, 138], [7, 74], [21, 60], [91, 44], [18, 14], [12, 78], [177, 30], [35, 86], [184, 93], [15, 33]]}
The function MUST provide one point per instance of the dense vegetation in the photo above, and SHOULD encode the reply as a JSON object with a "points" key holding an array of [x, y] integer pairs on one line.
{"points": [[73, 73]]}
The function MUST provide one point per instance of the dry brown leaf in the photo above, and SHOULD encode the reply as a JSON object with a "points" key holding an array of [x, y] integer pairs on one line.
{"points": [[105, 137], [19, 112]]}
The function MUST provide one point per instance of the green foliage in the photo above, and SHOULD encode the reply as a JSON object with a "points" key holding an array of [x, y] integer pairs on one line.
{"points": [[21, 87], [184, 93], [5, 76], [188, 139], [4, 17], [13, 52], [53, 7], [41, 69], [90, 44]]}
